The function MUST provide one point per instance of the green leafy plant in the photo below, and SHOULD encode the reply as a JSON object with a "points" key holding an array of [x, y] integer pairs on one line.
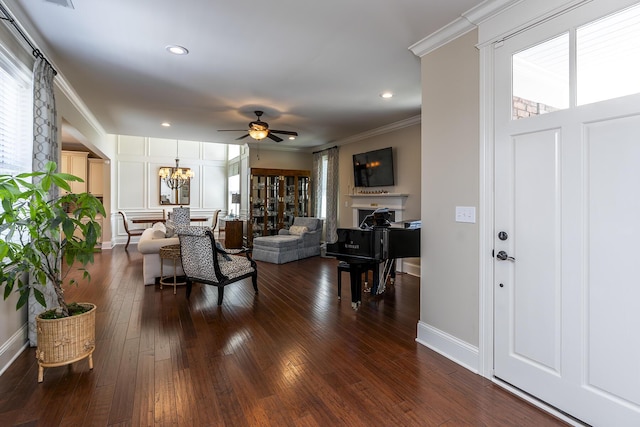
{"points": [[42, 239]]}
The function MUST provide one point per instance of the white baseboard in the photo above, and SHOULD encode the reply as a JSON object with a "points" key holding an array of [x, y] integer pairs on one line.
{"points": [[412, 269], [12, 348], [449, 346]]}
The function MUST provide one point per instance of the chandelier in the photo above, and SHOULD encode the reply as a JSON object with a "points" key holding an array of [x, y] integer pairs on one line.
{"points": [[176, 177]]}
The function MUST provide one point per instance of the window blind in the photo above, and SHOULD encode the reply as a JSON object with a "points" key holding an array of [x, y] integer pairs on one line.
{"points": [[16, 144]]}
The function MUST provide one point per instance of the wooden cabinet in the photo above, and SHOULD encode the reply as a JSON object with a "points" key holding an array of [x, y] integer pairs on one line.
{"points": [[276, 197], [75, 163], [96, 177], [233, 234]]}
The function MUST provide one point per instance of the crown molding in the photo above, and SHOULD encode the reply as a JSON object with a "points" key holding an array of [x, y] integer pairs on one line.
{"points": [[78, 104], [379, 131], [468, 21]]}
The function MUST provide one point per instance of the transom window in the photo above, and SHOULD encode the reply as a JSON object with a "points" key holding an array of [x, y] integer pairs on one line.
{"points": [[607, 66]]}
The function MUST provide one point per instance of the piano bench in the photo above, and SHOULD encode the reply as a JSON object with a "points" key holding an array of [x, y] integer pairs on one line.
{"points": [[345, 266]]}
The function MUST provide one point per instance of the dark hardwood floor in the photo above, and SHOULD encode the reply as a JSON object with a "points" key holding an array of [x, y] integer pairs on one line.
{"points": [[292, 356]]}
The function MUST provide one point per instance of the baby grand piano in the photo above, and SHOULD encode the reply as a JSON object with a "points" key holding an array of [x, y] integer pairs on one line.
{"points": [[375, 247]]}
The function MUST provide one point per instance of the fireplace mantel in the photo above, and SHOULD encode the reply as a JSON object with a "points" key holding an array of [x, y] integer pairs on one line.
{"points": [[394, 201]]}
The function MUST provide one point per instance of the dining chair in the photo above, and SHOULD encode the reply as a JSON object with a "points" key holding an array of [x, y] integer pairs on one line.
{"points": [[130, 231], [181, 216], [214, 221]]}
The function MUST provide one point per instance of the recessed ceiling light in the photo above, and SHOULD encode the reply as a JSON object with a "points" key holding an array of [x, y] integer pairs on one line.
{"points": [[386, 95], [165, 124], [292, 137], [177, 50]]}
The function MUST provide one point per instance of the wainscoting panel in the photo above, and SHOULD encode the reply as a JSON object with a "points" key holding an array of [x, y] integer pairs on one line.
{"points": [[214, 188], [131, 145], [131, 176]]}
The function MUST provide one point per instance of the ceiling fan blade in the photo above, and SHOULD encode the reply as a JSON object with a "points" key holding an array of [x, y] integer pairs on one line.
{"points": [[275, 138], [232, 130], [284, 132], [242, 137]]}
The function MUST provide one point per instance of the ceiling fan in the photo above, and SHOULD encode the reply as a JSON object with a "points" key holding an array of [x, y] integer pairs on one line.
{"points": [[260, 130]]}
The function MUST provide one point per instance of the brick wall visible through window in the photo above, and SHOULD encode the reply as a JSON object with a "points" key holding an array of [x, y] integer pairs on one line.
{"points": [[523, 108]]}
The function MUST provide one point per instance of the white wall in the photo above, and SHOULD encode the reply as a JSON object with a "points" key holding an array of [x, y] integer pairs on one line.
{"points": [[449, 305], [136, 182], [13, 331], [278, 159], [406, 152]]}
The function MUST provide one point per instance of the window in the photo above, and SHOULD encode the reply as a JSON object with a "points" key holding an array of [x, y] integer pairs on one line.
{"points": [[607, 66], [321, 200], [16, 144], [234, 151], [541, 78], [608, 57], [233, 195]]}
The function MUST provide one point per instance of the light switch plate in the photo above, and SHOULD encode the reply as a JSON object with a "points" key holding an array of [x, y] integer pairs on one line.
{"points": [[466, 214]]}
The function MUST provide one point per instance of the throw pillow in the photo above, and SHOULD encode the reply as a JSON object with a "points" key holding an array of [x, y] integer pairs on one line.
{"points": [[171, 229], [159, 230], [297, 230]]}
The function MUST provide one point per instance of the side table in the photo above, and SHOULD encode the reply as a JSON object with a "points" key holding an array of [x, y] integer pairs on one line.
{"points": [[170, 252], [233, 234]]}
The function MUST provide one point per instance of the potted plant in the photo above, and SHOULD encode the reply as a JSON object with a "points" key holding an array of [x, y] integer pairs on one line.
{"points": [[41, 239]]}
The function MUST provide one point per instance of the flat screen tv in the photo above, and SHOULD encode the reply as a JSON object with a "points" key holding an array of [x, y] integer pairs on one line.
{"points": [[373, 168]]}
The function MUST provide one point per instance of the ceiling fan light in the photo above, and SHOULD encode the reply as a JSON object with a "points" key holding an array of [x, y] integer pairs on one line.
{"points": [[258, 133]]}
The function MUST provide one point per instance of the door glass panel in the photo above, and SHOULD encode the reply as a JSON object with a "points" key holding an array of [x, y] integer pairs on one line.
{"points": [[608, 57], [541, 78]]}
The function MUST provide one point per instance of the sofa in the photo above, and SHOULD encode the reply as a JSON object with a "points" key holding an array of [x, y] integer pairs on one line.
{"points": [[301, 240], [151, 240]]}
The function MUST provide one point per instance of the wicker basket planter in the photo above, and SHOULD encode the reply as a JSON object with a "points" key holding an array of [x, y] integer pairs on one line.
{"points": [[67, 340]]}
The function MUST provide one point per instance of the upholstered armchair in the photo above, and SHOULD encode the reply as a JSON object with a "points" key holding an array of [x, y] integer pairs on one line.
{"points": [[309, 232], [206, 262]]}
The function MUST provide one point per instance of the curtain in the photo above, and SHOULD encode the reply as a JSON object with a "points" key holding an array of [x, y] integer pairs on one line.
{"points": [[326, 190], [45, 149], [332, 195]]}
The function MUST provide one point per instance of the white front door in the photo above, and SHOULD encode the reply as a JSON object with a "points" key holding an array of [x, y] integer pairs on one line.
{"points": [[567, 235]]}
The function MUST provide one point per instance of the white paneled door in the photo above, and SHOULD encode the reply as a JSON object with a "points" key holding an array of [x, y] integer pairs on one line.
{"points": [[567, 235]]}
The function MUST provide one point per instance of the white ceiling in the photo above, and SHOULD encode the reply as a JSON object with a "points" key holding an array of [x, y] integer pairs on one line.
{"points": [[314, 67]]}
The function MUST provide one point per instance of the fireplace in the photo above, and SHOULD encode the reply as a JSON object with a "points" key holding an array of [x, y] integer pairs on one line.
{"points": [[362, 213], [364, 204]]}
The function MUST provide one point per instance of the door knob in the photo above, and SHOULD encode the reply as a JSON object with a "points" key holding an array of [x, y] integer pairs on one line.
{"points": [[502, 255]]}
